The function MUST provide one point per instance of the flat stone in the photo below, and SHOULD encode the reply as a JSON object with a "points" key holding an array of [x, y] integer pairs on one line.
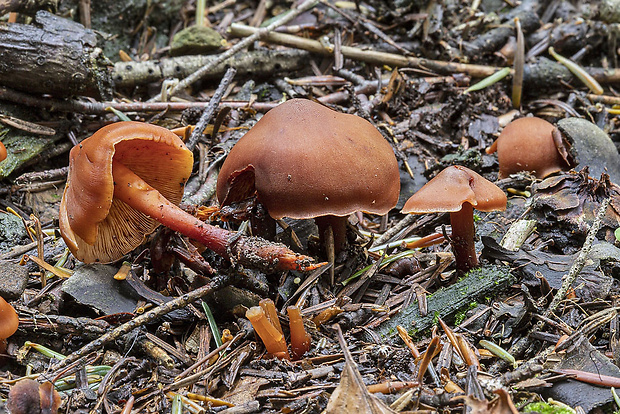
{"points": [[13, 279], [94, 285]]}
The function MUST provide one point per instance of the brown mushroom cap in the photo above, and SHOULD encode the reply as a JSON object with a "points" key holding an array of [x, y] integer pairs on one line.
{"points": [[97, 227], [452, 187], [526, 144], [9, 321], [305, 160]]}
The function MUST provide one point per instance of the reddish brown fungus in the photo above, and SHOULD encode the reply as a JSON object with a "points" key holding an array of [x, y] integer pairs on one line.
{"points": [[458, 190], [304, 160]]}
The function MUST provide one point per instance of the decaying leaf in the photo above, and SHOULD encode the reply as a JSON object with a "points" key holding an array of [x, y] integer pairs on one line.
{"points": [[351, 395], [569, 201]]}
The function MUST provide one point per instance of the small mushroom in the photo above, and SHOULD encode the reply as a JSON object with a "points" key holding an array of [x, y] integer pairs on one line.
{"points": [[300, 339], [3, 152], [274, 340], [527, 144], [9, 321], [458, 190], [27, 396], [304, 160], [128, 178]]}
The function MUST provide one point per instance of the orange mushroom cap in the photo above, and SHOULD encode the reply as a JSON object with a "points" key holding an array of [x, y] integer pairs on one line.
{"points": [[452, 187], [9, 321], [305, 160], [526, 144], [95, 225], [3, 152]]}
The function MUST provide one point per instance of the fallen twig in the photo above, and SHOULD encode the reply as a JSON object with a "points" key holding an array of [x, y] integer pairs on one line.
{"points": [[215, 284]]}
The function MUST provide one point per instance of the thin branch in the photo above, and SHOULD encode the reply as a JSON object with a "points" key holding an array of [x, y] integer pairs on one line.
{"points": [[209, 111]]}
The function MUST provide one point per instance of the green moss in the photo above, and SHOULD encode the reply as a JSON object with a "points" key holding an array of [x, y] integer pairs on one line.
{"points": [[545, 408]]}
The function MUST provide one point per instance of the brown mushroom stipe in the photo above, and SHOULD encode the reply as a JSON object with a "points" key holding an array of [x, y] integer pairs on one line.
{"points": [[128, 178], [304, 160], [458, 190], [526, 144]]}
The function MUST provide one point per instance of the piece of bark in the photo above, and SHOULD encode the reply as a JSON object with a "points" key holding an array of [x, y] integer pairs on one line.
{"points": [[445, 303], [255, 63], [53, 56]]}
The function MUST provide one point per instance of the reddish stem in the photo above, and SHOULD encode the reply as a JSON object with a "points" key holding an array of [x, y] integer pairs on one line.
{"points": [[254, 252], [463, 232]]}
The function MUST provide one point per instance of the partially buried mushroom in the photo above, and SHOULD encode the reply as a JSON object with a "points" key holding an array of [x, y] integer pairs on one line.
{"points": [[128, 178], [304, 160], [458, 190], [527, 144]]}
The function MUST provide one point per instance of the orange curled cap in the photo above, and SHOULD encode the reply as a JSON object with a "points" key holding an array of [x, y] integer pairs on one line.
{"points": [[96, 226], [526, 144], [451, 188], [9, 321], [305, 160]]}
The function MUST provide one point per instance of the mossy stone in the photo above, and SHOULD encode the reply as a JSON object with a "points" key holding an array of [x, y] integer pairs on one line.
{"points": [[196, 40]]}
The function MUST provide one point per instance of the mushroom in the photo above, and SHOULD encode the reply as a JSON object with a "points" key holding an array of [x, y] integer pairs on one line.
{"points": [[3, 152], [458, 190], [300, 339], [27, 396], [303, 160], [274, 340], [128, 178], [527, 144], [9, 321]]}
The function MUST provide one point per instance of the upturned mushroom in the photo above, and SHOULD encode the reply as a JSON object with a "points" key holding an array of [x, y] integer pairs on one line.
{"points": [[303, 160], [527, 144], [127, 179], [457, 190]]}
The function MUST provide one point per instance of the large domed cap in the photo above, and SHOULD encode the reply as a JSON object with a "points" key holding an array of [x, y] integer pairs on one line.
{"points": [[526, 144], [452, 187], [305, 160], [96, 226]]}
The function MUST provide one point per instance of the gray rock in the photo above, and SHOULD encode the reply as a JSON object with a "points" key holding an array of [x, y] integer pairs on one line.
{"points": [[590, 146], [13, 280]]}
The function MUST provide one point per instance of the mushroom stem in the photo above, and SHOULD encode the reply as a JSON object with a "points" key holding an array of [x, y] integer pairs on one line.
{"points": [[254, 252], [339, 228], [463, 232]]}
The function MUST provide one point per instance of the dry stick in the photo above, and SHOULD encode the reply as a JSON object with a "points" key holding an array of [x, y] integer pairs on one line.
{"points": [[370, 56], [578, 264], [392, 231], [209, 111], [215, 284], [257, 35]]}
